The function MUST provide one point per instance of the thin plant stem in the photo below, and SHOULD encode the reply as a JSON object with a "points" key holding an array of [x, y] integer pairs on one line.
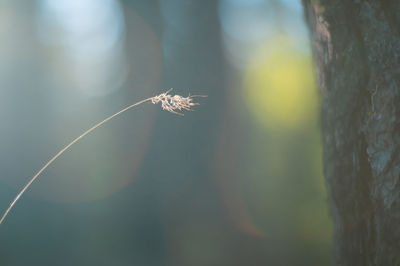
{"points": [[62, 151], [170, 103]]}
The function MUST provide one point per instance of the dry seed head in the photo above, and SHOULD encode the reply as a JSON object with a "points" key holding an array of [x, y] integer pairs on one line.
{"points": [[168, 102], [174, 103]]}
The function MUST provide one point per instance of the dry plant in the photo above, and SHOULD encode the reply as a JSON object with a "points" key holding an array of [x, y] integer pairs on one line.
{"points": [[173, 104]]}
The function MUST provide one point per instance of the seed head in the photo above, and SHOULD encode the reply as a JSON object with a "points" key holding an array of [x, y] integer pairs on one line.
{"points": [[173, 103]]}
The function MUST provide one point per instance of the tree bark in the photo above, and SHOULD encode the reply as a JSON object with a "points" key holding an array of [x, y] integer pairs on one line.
{"points": [[356, 46]]}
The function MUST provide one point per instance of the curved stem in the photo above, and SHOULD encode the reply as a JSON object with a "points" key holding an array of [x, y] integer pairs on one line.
{"points": [[62, 151]]}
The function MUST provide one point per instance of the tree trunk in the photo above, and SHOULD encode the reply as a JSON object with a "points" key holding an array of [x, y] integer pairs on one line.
{"points": [[356, 46]]}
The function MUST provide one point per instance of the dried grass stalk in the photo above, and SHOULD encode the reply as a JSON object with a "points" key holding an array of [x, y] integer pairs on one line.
{"points": [[169, 103]]}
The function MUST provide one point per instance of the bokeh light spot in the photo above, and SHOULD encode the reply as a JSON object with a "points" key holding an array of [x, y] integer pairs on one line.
{"points": [[279, 85]]}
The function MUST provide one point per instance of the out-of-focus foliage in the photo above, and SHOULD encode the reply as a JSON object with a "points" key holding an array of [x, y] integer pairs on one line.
{"points": [[237, 182], [278, 189], [279, 86]]}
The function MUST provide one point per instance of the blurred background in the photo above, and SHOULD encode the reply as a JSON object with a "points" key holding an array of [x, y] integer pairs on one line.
{"points": [[237, 182]]}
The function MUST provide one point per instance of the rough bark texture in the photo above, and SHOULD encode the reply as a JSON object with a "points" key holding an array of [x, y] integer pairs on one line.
{"points": [[356, 46]]}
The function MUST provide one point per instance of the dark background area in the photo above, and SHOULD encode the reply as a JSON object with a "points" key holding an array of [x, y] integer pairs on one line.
{"points": [[237, 182]]}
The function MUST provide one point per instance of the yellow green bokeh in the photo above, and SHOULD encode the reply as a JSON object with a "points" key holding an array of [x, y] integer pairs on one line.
{"points": [[279, 85]]}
